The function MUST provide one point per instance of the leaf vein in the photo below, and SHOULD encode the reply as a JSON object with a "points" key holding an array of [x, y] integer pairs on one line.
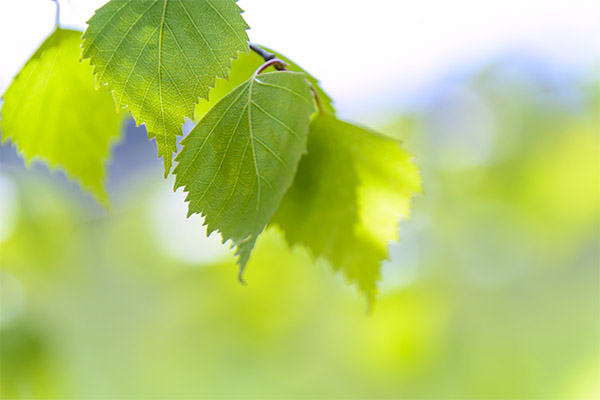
{"points": [[223, 71], [242, 40], [272, 152], [274, 118], [123, 38], [185, 57], [135, 64], [211, 132], [89, 45], [222, 159], [284, 88]]}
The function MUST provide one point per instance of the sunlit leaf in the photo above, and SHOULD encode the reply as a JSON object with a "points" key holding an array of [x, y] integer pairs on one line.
{"points": [[52, 112], [349, 192], [239, 160], [158, 57]]}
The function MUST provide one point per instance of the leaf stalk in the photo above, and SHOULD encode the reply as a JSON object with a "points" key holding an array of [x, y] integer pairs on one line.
{"points": [[271, 60]]}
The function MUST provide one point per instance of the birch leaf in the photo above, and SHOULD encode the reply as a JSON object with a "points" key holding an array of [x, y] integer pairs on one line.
{"points": [[239, 160], [51, 112], [349, 192], [159, 56]]}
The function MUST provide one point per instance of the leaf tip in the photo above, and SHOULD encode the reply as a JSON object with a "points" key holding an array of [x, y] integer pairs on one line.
{"points": [[241, 276]]}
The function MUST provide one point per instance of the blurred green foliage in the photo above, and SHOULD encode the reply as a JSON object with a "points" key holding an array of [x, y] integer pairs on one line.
{"points": [[50, 102], [494, 293]]}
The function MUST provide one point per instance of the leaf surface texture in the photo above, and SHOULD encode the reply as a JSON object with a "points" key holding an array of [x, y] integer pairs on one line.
{"points": [[159, 56], [239, 160]]}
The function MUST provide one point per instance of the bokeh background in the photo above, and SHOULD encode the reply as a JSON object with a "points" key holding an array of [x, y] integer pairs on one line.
{"points": [[494, 292]]}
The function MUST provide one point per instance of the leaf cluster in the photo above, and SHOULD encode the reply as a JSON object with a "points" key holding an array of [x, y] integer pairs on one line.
{"points": [[267, 150]]}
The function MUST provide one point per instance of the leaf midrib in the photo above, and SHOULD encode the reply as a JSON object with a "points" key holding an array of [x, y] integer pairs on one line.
{"points": [[251, 135], [160, 95], [100, 78]]}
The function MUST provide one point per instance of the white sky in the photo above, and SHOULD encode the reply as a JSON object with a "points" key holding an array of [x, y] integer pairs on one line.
{"points": [[363, 51]]}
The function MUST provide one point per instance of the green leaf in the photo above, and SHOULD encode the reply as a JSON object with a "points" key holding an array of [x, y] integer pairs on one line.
{"points": [[242, 69], [52, 112], [326, 101], [239, 160], [349, 192], [159, 56]]}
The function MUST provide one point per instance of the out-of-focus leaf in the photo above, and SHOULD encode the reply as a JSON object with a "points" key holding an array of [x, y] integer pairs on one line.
{"points": [[349, 192], [52, 112], [158, 57], [239, 160]]}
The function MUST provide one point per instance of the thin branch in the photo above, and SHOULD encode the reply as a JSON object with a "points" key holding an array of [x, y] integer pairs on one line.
{"points": [[317, 98], [262, 52]]}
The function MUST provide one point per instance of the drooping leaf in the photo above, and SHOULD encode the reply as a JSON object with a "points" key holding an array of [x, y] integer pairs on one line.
{"points": [[51, 112], [159, 56], [242, 69], [237, 163], [348, 194]]}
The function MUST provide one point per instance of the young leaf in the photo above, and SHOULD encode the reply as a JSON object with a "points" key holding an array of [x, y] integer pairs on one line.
{"points": [[347, 196], [237, 163], [159, 56], [52, 111], [242, 69]]}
